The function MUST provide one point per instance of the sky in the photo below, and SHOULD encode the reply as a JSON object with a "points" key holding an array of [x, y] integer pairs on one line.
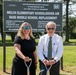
{"points": [[72, 8]]}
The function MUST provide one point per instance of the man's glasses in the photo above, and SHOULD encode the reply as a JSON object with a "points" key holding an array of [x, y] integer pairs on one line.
{"points": [[26, 27], [50, 28]]}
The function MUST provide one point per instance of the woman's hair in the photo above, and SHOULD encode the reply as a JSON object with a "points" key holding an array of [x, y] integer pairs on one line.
{"points": [[20, 31]]}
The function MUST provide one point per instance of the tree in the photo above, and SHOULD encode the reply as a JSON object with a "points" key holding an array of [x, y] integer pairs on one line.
{"points": [[71, 25], [67, 2], [67, 27]]}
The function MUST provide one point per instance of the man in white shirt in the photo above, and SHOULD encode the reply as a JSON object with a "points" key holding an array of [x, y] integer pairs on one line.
{"points": [[57, 50]]}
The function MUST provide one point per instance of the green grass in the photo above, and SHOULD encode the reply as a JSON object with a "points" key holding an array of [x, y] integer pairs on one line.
{"points": [[69, 57], [73, 40], [1, 58], [9, 56]]}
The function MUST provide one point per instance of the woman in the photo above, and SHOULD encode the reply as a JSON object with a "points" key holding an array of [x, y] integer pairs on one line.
{"points": [[25, 48]]}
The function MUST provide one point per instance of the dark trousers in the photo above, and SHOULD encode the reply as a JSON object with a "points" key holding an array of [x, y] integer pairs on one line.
{"points": [[53, 71]]}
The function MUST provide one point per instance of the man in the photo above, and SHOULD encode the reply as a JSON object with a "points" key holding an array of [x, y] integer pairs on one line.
{"points": [[50, 50]]}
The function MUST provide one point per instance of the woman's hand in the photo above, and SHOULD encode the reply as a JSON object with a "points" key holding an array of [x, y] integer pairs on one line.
{"points": [[27, 59]]}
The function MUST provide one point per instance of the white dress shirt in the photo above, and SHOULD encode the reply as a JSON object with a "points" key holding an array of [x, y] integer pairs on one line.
{"points": [[57, 47]]}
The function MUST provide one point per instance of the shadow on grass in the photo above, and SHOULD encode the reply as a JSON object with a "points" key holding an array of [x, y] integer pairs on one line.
{"points": [[69, 43], [7, 73], [7, 41], [63, 74]]}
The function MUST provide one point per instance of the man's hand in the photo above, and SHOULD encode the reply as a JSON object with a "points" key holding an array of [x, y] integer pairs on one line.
{"points": [[51, 62], [46, 62]]}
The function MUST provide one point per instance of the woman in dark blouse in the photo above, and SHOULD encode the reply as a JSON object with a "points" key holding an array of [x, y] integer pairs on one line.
{"points": [[25, 48]]}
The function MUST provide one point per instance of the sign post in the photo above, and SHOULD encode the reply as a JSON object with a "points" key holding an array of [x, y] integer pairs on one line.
{"points": [[4, 52]]}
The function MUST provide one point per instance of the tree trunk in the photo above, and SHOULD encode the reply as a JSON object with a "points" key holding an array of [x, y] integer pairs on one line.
{"points": [[67, 27], [1, 29], [13, 36]]}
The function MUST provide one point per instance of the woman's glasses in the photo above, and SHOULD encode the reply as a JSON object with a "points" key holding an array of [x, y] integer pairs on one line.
{"points": [[50, 28], [26, 27]]}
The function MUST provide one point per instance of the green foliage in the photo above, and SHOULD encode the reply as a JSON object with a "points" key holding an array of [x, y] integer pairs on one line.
{"points": [[72, 27], [72, 24], [37, 34]]}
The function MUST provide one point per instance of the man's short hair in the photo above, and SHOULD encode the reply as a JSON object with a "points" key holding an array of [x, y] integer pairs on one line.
{"points": [[51, 23]]}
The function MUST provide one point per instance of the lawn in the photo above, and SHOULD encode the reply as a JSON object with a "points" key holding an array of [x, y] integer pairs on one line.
{"points": [[69, 57]]}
